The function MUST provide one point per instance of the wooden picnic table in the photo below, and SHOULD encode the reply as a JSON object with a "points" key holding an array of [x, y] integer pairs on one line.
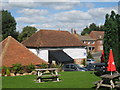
{"points": [[48, 73], [108, 80]]}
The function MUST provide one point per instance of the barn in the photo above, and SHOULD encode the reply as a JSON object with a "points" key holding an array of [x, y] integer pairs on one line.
{"points": [[55, 46]]}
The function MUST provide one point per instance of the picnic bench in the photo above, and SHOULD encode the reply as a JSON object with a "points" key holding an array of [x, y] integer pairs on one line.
{"points": [[48, 74], [108, 81]]}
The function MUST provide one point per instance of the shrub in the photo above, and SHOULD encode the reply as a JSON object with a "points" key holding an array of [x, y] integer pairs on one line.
{"points": [[16, 68], [4, 70], [30, 68], [90, 55], [52, 65], [8, 72], [43, 65], [84, 62]]}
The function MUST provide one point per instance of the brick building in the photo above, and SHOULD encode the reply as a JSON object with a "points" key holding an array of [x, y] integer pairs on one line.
{"points": [[93, 41]]}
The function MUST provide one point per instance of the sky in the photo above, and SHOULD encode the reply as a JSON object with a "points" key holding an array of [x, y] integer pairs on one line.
{"points": [[60, 15]]}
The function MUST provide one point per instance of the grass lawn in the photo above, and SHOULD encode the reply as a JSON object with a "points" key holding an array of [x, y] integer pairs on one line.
{"points": [[77, 79]]}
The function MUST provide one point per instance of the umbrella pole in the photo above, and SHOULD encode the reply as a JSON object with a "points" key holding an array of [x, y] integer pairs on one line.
{"points": [[111, 73]]}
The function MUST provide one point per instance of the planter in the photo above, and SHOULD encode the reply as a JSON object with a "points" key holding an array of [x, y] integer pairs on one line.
{"points": [[18, 74], [34, 72], [12, 74], [25, 73]]}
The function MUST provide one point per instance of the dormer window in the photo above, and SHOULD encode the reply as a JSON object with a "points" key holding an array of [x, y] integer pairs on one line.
{"points": [[84, 42], [88, 42]]}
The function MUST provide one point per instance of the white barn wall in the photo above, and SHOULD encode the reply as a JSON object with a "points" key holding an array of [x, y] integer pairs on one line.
{"points": [[43, 54], [76, 53]]}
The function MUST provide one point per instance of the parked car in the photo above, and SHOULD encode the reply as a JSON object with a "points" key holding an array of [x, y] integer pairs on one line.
{"points": [[96, 67], [73, 67], [88, 61]]}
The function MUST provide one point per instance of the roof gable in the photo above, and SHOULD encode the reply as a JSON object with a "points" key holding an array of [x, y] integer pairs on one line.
{"points": [[52, 38], [97, 34], [14, 52], [86, 37]]}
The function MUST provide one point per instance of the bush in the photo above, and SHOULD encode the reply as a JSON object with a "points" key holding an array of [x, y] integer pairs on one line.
{"points": [[16, 68], [90, 55], [4, 70], [30, 68], [43, 65], [84, 62], [8, 72]]}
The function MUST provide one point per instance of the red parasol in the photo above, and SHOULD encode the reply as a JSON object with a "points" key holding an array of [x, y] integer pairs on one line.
{"points": [[111, 64], [102, 57]]}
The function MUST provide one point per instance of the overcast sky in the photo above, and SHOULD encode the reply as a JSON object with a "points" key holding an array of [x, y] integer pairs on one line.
{"points": [[59, 15]]}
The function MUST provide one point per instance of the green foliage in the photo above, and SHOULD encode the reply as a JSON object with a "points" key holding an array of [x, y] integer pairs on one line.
{"points": [[27, 32], [8, 72], [43, 65], [89, 55], [92, 27], [8, 25], [30, 68], [84, 62], [4, 68], [85, 31], [16, 68], [111, 39]]}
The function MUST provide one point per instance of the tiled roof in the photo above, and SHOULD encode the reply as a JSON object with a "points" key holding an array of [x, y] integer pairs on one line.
{"points": [[52, 38], [86, 37], [14, 52], [97, 34]]}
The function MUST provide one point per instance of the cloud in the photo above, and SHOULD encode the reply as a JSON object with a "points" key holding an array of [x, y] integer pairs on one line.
{"points": [[72, 16], [19, 5], [33, 12], [89, 5], [31, 20], [64, 20], [100, 13], [63, 7]]}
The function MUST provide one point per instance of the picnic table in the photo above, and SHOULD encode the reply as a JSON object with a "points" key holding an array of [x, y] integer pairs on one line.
{"points": [[48, 73], [108, 80]]}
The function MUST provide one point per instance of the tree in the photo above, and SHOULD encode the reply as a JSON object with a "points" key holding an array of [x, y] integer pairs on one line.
{"points": [[92, 27], [27, 32], [8, 25], [85, 31], [111, 37]]}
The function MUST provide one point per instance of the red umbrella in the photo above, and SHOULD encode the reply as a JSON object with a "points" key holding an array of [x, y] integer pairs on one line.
{"points": [[102, 57], [111, 64]]}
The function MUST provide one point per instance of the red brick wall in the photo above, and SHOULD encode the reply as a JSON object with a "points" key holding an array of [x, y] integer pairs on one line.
{"points": [[98, 45]]}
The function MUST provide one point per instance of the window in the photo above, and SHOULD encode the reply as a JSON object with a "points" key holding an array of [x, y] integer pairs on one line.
{"points": [[101, 47], [73, 67], [84, 42], [67, 66], [93, 42], [88, 42], [101, 42]]}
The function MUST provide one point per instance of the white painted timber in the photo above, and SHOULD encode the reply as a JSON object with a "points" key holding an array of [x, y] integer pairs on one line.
{"points": [[34, 51], [43, 54], [76, 53]]}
